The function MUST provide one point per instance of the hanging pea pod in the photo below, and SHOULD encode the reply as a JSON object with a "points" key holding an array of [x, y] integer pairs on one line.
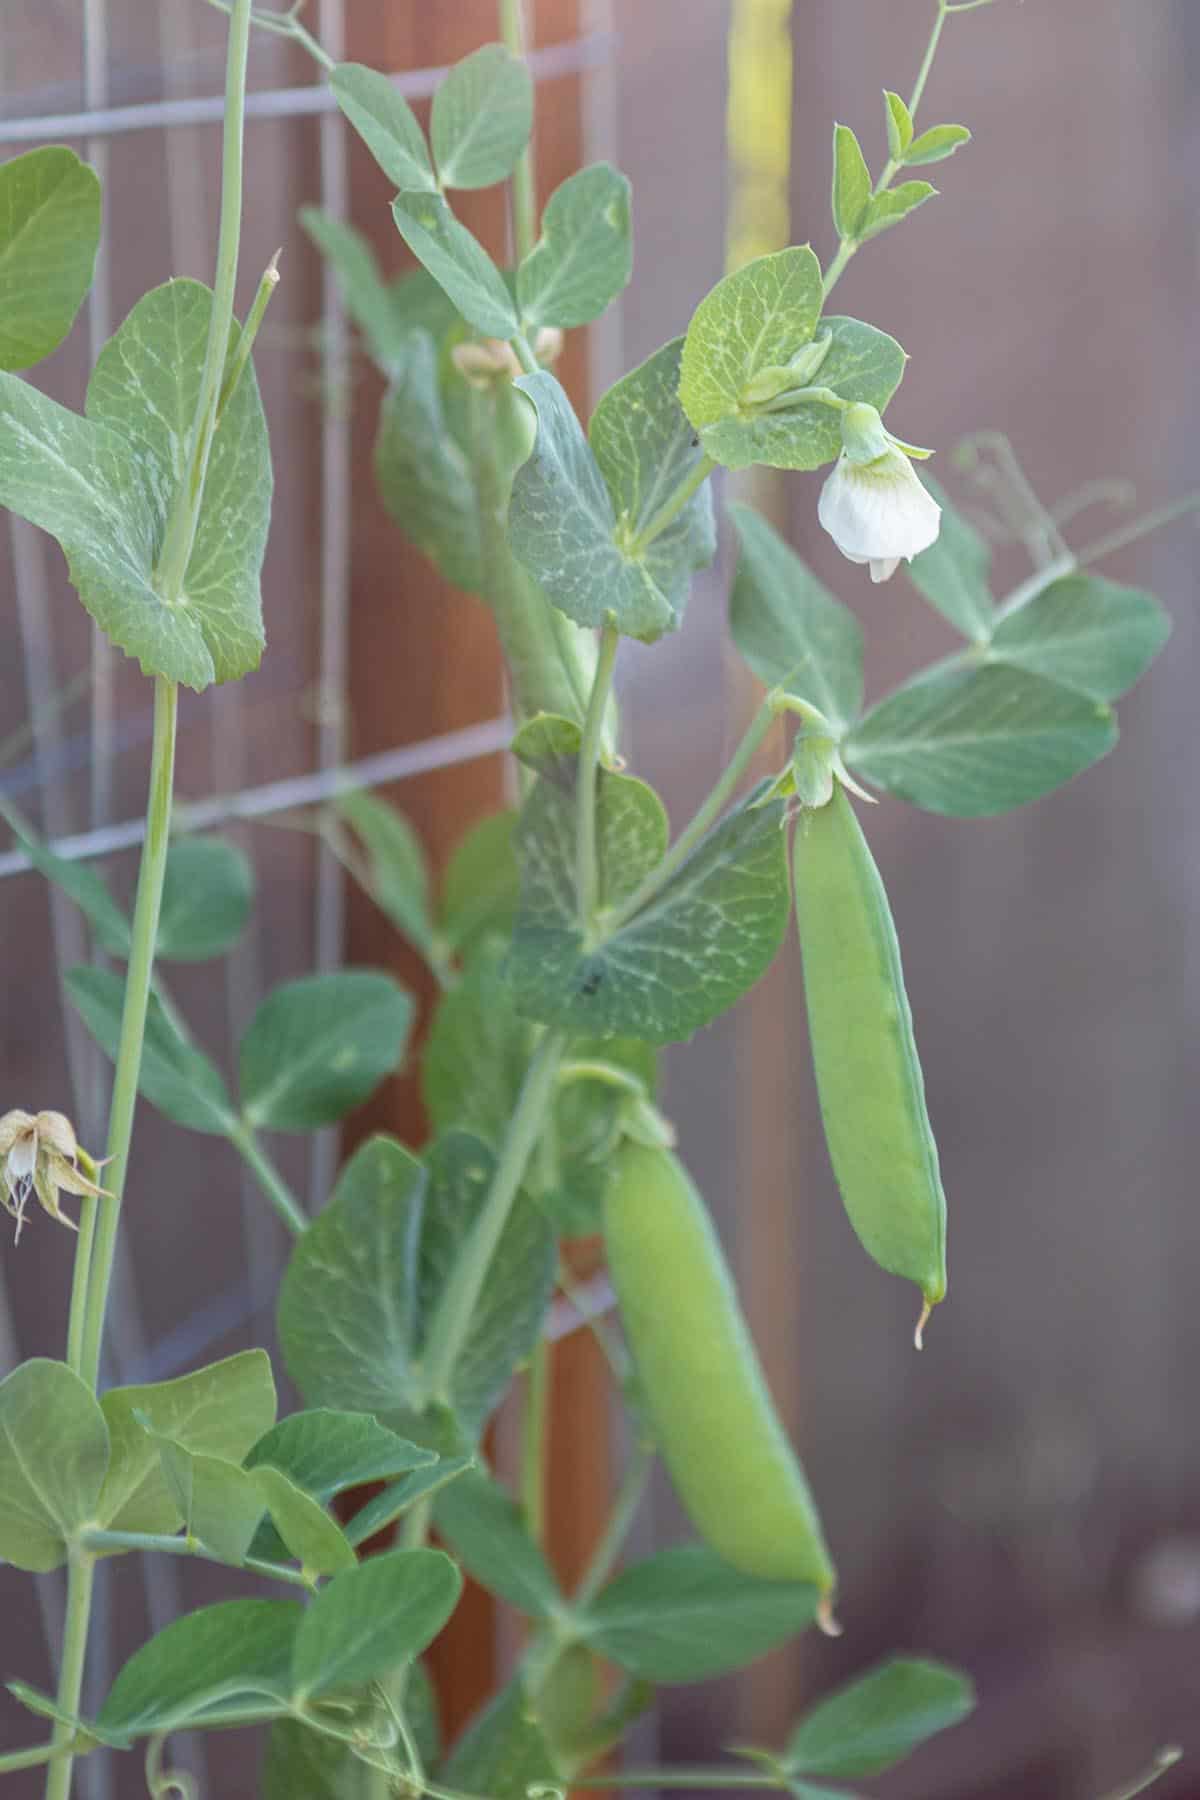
{"points": [[868, 1075], [720, 1437]]}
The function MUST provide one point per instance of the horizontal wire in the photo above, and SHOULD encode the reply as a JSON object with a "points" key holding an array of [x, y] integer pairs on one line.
{"points": [[574, 57], [441, 752]]}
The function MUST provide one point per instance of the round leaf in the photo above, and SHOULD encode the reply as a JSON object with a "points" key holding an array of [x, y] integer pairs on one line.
{"points": [[49, 234], [482, 117], [208, 891], [317, 1047], [53, 1455], [373, 1618]]}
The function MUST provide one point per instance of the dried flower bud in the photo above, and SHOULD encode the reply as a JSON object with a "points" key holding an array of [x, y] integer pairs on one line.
{"points": [[39, 1153]]}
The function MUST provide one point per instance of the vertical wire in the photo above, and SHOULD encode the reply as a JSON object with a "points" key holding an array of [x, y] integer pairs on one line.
{"points": [[335, 558]]}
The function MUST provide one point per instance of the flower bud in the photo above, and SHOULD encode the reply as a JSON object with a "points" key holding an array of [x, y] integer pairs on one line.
{"points": [[876, 511]]}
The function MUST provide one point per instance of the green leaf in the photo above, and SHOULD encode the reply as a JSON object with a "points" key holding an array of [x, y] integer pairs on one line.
{"points": [[788, 626], [482, 118], [208, 891], [233, 1659], [936, 144], [502, 1754], [978, 741], [477, 1051], [486, 1531], [562, 524], [82, 884], [861, 364], [1087, 633], [386, 123], [584, 256], [348, 1316], [878, 1720], [394, 1501], [851, 183], [176, 1078], [457, 261], [481, 883], [373, 1618], [313, 1538], [219, 1411], [317, 1047], [424, 478], [685, 1615], [367, 297], [645, 449], [324, 1451], [507, 1319], [47, 1708], [303, 1762], [646, 979], [145, 386], [53, 1455], [953, 573], [216, 1500], [895, 204], [397, 867], [899, 125], [49, 234], [756, 318]]}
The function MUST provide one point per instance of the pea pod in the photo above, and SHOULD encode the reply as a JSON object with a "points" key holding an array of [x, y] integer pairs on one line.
{"points": [[719, 1434], [868, 1075]]}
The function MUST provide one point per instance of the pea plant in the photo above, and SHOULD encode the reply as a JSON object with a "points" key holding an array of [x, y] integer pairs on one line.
{"points": [[570, 940]]}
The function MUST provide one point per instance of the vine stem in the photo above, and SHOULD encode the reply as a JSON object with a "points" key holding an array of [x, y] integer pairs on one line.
{"points": [[612, 1540], [80, 1571], [534, 1422], [269, 1179], [679, 1778], [167, 1545], [524, 200], [15, 1760], [587, 874]]}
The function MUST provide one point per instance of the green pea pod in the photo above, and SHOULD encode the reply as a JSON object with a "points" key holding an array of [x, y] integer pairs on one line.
{"points": [[868, 1075], [716, 1427]]}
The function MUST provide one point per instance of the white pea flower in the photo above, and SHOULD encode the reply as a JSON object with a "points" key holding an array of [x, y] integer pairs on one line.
{"points": [[872, 505], [39, 1153]]}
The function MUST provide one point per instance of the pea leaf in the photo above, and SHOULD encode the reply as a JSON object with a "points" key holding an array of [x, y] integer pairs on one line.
{"points": [[482, 118], [789, 627], [397, 869], [367, 297], [508, 1316], [685, 1615], [49, 234], [953, 573], [424, 478], [54, 1452], [480, 886], [317, 1047], [47, 1708], [386, 123], [1085, 632], [219, 1411], [851, 183], [174, 1076], [457, 261], [82, 884], [348, 1318], [978, 741], [754, 319], [232, 1660], [392, 1502], [899, 125], [878, 1720], [313, 1538], [584, 256], [893, 205], [645, 980], [208, 890], [324, 1451], [216, 1500], [300, 1760], [485, 1530], [371, 1619], [936, 144], [562, 524], [502, 1754]]}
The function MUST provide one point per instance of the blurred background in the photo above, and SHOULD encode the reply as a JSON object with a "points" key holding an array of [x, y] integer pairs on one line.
{"points": [[1023, 1499]]}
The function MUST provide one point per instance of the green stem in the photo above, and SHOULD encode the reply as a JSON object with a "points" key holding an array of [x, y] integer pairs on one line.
{"points": [[185, 510], [611, 1347], [587, 874], [161, 1543], [268, 282], [80, 1571], [524, 202], [612, 1539], [708, 813], [283, 25], [15, 1760], [673, 505], [1166, 1759], [133, 1022], [1138, 528], [680, 1778], [269, 1179], [460, 1297], [533, 1442]]}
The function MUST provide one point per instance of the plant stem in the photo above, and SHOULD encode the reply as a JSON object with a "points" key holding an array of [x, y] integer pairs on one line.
{"points": [[1165, 1759], [268, 282], [533, 1442], [80, 1570], [587, 874], [524, 202], [679, 1778], [269, 1179], [674, 504], [16, 1760], [708, 813], [460, 1297], [165, 1544], [283, 25], [1138, 528], [612, 1540]]}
